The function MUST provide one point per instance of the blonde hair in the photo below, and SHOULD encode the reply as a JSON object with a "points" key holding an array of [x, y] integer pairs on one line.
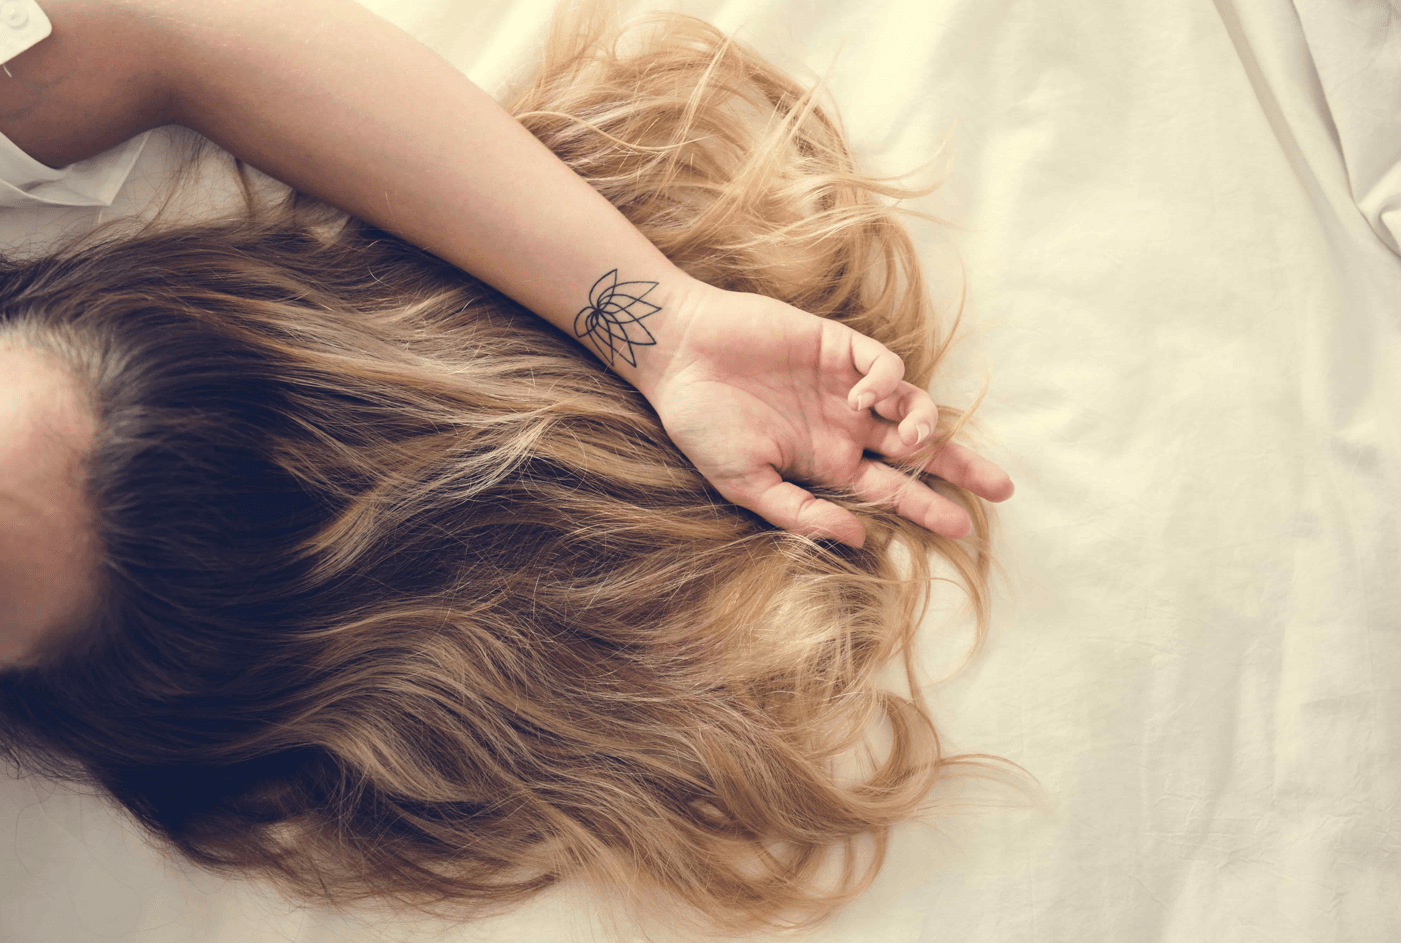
{"points": [[405, 598]]}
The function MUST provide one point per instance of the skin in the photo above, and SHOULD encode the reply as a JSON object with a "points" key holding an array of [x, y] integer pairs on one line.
{"points": [[45, 561]]}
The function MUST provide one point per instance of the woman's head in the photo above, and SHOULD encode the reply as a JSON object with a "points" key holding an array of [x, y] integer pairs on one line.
{"points": [[396, 593], [46, 546]]}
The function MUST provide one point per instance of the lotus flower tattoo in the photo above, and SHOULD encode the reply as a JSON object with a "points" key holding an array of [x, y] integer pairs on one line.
{"points": [[613, 319]]}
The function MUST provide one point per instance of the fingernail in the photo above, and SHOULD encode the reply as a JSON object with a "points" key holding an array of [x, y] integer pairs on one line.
{"points": [[922, 433], [865, 400]]}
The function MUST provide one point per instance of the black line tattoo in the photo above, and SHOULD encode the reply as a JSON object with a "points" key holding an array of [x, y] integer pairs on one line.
{"points": [[613, 319]]}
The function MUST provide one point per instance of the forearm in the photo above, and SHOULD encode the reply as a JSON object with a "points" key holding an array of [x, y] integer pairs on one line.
{"points": [[356, 112], [334, 101]]}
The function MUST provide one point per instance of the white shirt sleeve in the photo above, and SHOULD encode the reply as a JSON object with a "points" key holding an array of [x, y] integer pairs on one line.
{"points": [[92, 182]]}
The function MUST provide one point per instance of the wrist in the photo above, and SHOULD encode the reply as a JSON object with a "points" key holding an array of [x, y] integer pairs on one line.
{"points": [[638, 324]]}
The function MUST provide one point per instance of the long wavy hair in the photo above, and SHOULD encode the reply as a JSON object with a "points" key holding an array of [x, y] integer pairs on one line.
{"points": [[403, 597]]}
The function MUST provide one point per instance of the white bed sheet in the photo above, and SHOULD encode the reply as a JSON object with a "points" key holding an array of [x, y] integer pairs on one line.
{"points": [[1179, 224]]}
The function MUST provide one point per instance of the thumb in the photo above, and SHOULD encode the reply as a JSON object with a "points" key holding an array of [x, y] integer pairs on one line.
{"points": [[790, 507]]}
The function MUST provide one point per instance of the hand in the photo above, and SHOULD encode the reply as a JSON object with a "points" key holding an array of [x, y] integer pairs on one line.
{"points": [[759, 394]]}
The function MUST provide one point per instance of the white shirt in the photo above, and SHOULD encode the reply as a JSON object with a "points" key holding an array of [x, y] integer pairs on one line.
{"points": [[92, 182]]}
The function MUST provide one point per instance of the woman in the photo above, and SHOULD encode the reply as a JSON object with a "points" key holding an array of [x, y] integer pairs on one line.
{"points": [[365, 580], [247, 76]]}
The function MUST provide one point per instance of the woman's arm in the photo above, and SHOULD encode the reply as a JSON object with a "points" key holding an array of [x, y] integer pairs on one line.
{"points": [[327, 97]]}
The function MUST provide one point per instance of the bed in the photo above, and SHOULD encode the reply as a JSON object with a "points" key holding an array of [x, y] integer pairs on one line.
{"points": [[1179, 226]]}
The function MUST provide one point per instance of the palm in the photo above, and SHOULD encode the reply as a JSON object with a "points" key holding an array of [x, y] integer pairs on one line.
{"points": [[779, 399]]}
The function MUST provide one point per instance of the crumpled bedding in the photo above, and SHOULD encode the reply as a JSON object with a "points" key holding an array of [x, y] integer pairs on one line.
{"points": [[1177, 225]]}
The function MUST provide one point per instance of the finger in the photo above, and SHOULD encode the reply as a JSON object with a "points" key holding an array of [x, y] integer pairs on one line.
{"points": [[967, 469], [888, 441], [788, 506], [914, 410], [882, 371], [912, 499]]}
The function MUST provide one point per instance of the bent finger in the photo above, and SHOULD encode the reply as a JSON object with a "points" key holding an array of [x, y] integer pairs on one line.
{"points": [[914, 411], [882, 371], [963, 467], [788, 506], [888, 441], [912, 499]]}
